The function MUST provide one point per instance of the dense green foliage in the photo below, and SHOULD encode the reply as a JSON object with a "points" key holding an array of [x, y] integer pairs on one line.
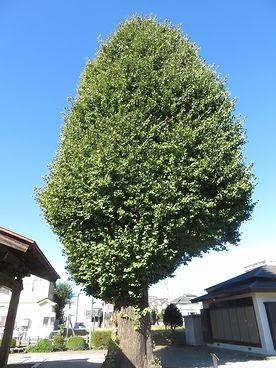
{"points": [[59, 343], [154, 316], [101, 338], [62, 294], [150, 170], [172, 317], [76, 343], [42, 346], [13, 342]]}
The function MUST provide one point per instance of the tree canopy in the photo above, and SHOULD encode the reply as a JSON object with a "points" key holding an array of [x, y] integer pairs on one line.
{"points": [[63, 293], [150, 169]]}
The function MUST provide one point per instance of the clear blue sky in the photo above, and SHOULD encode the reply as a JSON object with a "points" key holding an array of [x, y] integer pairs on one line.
{"points": [[44, 46]]}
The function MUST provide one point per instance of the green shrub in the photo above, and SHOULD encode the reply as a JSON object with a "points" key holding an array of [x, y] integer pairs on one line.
{"points": [[42, 346], [13, 342], [76, 343], [81, 332], [59, 343], [168, 337], [101, 338]]}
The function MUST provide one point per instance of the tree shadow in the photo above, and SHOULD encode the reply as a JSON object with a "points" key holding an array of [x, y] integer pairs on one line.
{"points": [[200, 356], [116, 358]]}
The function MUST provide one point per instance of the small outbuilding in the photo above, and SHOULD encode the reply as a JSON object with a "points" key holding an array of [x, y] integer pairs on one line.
{"points": [[240, 313], [19, 257]]}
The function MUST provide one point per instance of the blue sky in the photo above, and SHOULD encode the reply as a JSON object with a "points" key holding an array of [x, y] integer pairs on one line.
{"points": [[44, 46]]}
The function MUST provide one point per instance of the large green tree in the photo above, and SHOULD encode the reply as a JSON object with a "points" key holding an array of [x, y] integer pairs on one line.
{"points": [[149, 173], [63, 293]]}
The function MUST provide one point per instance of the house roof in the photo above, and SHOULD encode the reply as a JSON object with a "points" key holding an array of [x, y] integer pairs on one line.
{"points": [[15, 247], [46, 301], [260, 279], [183, 299]]}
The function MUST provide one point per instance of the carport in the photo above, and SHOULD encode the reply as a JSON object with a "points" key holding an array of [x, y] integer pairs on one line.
{"points": [[19, 257]]}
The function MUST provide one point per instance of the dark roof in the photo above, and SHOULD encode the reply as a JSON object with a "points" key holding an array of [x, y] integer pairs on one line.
{"points": [[260, 279], [29, 253]]}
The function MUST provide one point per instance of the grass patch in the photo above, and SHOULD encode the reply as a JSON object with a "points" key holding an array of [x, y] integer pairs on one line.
{"points": [[166, 337]]}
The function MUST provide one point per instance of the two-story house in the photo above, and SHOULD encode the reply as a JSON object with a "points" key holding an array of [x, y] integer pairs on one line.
{"points": [[36, 310]]}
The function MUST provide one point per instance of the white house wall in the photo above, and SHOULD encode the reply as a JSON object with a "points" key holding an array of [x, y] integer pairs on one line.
{"points": [[33, 312], [259, 299]]}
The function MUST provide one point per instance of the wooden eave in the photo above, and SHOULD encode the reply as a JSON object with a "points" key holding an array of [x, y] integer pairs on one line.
{"points": [[30, 259]]}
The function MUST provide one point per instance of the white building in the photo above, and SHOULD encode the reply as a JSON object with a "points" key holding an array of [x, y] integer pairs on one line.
{"points": [[82, 307], [36, 310], [185, 305]]}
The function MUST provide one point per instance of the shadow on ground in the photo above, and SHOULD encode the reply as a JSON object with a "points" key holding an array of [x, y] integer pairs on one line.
{"points": [[198, 357]]}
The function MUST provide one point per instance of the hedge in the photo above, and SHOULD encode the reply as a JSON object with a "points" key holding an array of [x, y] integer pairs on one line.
{"points": [[13, 342], [101, 338], [42, 346], [76, 343], [59, 343]]}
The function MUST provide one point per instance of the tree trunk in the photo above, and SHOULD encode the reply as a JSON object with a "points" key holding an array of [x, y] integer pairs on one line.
{"points": [[134, 349]]}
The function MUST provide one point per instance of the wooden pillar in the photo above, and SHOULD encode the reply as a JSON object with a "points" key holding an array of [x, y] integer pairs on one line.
{"points": [[9, 325]]}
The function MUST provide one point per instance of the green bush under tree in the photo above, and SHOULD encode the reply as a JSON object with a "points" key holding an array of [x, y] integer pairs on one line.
{"points": [[13, 343], [76, 343], [59, 343], [42, 346], [101, 339]]}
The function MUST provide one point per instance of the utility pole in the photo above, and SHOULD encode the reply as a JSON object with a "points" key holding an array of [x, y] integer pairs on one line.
{"points": [[91, 323]]}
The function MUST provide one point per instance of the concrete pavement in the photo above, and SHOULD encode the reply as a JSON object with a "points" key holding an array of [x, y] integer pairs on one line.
{"points": [[200, 357], [171, 357], [64, 359]]}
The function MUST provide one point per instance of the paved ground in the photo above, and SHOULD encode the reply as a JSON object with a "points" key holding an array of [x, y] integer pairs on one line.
{"points": [[171, 357], [200, 357], [79, 359]]}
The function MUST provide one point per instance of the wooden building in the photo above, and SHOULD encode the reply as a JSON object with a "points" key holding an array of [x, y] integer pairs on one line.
{"points": [[240, 313], [19, 257]]}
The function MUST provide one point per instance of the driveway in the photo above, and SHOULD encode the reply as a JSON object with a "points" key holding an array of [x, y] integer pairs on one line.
{"points": [[171, 357], [75, 359], [200, 357]]}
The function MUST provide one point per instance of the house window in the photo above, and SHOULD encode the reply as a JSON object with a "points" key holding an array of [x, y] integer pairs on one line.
{"points": [[48, 321], [88, 314]]}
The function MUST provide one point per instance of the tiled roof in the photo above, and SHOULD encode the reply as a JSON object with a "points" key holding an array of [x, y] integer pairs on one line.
{"points": [[183, 299], [261, 279]]}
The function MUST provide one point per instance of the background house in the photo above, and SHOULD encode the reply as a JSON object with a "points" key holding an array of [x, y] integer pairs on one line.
{"points": [[83, 310], [185, 305], [36, 309]]}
